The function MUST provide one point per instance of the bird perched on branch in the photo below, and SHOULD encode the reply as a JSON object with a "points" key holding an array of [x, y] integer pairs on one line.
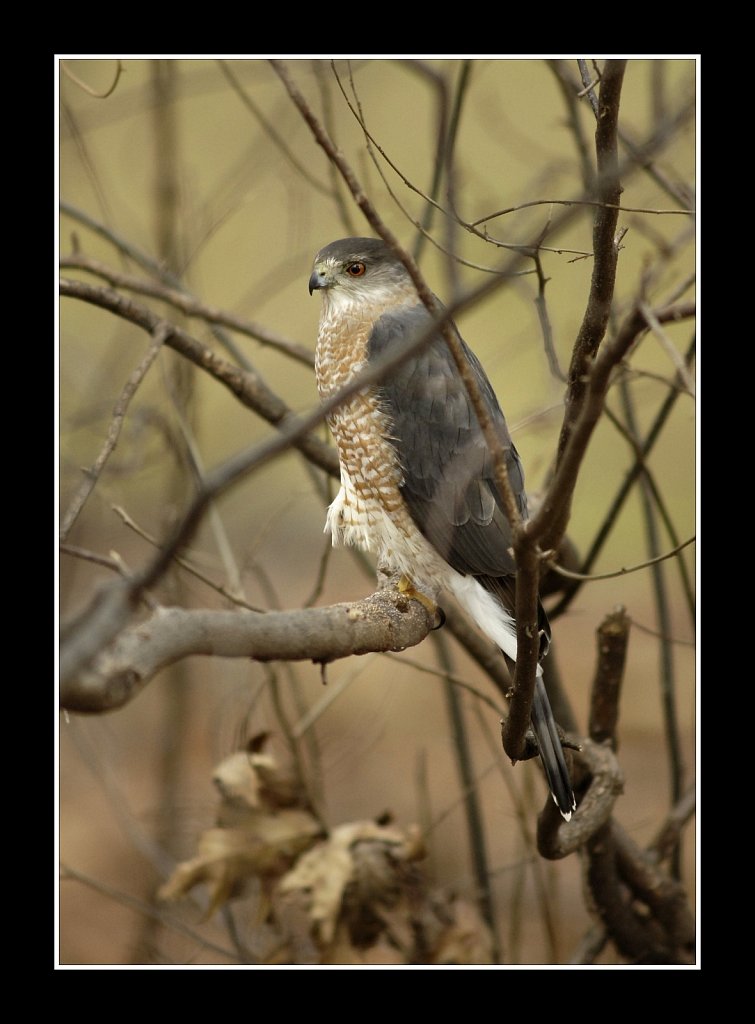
{"points": [[417, 475]]}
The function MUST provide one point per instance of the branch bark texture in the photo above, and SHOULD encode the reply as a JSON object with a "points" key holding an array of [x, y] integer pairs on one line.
{"points": [[385, 621]]}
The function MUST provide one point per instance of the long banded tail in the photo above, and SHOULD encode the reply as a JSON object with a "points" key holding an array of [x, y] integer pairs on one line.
{"points": [[551, 751]]}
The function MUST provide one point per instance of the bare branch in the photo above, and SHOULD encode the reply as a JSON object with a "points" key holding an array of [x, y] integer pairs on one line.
{"points": [[608, 187], [617, 207], [589, 85], [613, 637], [636, 866], [569, 93], [385, 621], [595, 764], [542, 314], [619, 572], [668, 347], [557, 838], [92, 556], [668, 934]]}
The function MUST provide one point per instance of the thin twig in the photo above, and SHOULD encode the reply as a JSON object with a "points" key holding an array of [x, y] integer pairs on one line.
{"points": [[667, 838], [588, 86], [617, 207], [669, 347], [270, 130], [196, 466], [336, 183], [71, 874], [529, 859], [542, 314], [663, 636], [419, 666], [160, 333], [92, 556], [619, 572], [372, 146], [569, 93], [219, 588], [87, 88]]}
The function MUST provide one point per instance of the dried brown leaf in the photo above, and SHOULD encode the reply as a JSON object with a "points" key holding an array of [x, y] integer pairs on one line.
{"points": [[350, 874], [265, 846], [254, 780]]}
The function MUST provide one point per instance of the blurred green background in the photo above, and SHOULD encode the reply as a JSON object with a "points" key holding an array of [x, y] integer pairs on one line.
{"points": [[207, 167]]}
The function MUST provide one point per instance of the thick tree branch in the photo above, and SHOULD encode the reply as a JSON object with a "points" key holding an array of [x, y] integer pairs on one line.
{"points": [[644, 912], [385, 621], [608, 192], [613, 637], [596, 767]]}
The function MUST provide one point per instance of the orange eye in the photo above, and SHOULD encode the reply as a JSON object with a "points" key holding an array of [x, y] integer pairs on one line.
{"points": [[356, 269]]}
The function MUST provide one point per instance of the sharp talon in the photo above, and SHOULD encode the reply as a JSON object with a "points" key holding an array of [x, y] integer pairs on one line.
{"points": [[405, 586], [440, 615]]}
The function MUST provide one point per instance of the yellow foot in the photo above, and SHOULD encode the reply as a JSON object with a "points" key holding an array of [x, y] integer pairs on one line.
{"points": [[405, 586]]}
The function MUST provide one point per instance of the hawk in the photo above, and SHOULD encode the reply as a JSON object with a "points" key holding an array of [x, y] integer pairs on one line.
{"points": [[417, 476]]}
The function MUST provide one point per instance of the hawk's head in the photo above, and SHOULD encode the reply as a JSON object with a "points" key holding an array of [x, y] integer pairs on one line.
{"points": [[358, 270]]}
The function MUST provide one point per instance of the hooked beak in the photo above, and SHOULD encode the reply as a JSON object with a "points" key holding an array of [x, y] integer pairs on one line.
{"points": [[317, 280]]}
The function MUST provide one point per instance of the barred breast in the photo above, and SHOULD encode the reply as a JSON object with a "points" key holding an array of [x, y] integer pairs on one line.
{"points": [[369, 511]]}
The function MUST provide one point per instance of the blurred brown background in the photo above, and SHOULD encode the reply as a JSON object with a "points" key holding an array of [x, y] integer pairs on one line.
{"points": [[207, 167]]}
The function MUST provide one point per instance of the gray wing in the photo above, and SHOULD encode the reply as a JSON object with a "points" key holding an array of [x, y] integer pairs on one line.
{"points": [[449, 483], [450, 489]]}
